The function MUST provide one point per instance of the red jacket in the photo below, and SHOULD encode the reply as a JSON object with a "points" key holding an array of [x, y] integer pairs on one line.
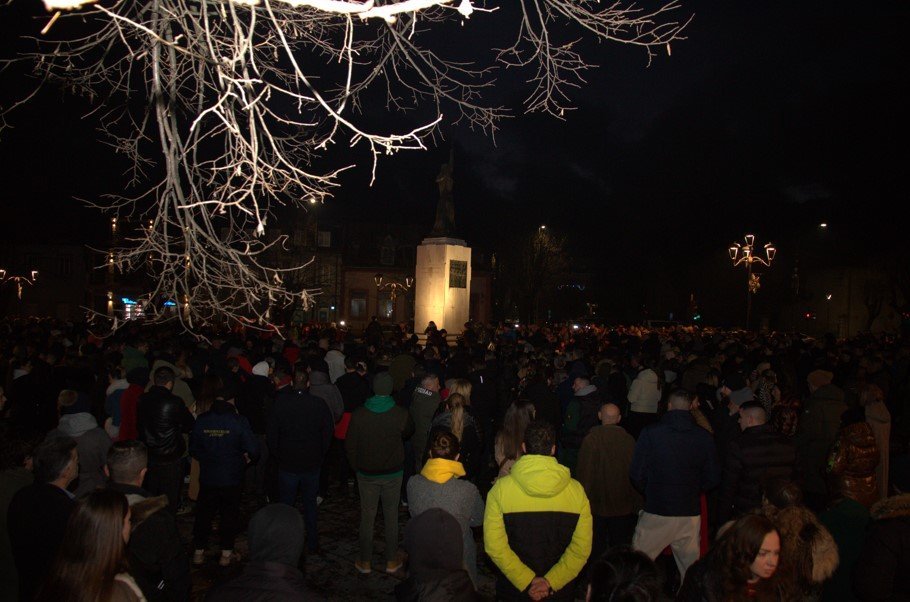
{"points": [[129, 404]]}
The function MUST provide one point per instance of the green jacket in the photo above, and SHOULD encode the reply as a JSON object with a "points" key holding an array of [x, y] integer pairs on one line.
{"points": [[538, 522], [375, 437]]}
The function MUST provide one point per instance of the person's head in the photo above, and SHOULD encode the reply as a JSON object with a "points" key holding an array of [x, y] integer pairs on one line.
{"points": [[609, 413], [782, 493], [870, 394], [456, 404], [127, 462], [747, 552], [540, 439], [17, 447], [350, 363], [460, 386], [752, 414], [276, 534], [93, 550], [430, 382], [517, 418], [56, 461], [164, 377], [444, 445], [434, 542], [580, 383], [679, 399], [301, 379], [624, 575], [818, 379], [383, 384]]}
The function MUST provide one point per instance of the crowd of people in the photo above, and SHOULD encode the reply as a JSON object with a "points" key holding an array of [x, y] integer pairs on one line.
{"points": [[597, 463]]}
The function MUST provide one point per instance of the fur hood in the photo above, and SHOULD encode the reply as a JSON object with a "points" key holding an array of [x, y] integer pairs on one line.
{"points": [[143, 507], [893, 507], [808, 544]]}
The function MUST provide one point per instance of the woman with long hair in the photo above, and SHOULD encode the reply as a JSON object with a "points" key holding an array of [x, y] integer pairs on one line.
{"points": [[91, 565], [741, 566], [460, 386], [455, 417], [507, 448]]}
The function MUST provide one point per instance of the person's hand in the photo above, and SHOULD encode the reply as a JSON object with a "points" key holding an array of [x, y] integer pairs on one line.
{"points": [[540, 588]]}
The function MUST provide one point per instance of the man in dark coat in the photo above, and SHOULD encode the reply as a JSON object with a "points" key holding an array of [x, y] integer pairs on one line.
{"points": [[162, 421], [757, 455], [158, 561], [38, 513], [276, 542], [882, 569], [299, 433], [816, 432]]}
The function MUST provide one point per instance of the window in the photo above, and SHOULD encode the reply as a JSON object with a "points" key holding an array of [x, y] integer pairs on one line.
{"points": [[385, 306], [324, 239], [358, 304], [326, 274]]}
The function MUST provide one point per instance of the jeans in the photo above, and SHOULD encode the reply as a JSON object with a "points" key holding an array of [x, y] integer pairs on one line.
{"points": [[165, 479], [217, 500], [372, 490], [289, 483]]}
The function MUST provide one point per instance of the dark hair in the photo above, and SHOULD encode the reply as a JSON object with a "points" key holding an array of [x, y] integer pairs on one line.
{"points": [[163, 376], [16, 445], [126, 459], [730, 562], [51, 458], [783, 493], [444, 445], [679, 399], [92, 551], [540, 437], [301, 378], [518, 416], [625, 575]]}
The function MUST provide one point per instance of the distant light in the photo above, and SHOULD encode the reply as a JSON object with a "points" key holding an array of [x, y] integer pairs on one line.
{"points": [[543, 226], [575, 326], [828, 296], [127, 301], [169, 304], [516, 324], [342, 322], [823, 225], [332, 308], [696, 317]]}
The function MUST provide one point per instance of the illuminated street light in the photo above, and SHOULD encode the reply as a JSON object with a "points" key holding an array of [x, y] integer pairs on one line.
{"points": [[746, 254], [394, 287], [19, 280], [823, 225]]}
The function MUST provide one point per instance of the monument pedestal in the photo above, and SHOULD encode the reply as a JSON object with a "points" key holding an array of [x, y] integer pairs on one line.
{"points": [[442, 292]]}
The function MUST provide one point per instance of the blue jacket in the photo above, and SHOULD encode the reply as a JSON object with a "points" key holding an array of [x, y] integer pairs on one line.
{"points": [[674, 461], [220, 438]]}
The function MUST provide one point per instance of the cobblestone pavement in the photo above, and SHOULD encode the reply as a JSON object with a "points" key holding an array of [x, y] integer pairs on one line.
{"points": [[331, 573]]}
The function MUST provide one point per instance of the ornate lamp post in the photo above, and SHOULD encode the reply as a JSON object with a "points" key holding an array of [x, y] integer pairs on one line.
{"points": [[19, 280], [746, 254], [394, 287]]}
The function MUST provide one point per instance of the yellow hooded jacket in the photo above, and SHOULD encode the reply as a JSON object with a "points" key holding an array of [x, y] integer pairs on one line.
{"points": [[538, 523]]}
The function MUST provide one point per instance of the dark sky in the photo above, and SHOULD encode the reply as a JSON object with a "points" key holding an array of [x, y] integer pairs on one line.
{"points": [[769, 117]]}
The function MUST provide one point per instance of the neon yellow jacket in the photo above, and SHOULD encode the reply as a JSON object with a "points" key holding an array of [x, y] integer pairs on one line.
{"points": [[538, 523]]}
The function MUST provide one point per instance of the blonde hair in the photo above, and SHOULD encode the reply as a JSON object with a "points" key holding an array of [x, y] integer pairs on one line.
{"points": [[456, 403], [460, 386]]}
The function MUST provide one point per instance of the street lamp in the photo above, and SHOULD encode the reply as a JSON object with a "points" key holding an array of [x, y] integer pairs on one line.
{"points": [[394, 287], [19, 280], [746, 254]]}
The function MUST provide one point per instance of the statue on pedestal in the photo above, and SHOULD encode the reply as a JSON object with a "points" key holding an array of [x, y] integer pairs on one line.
{"points": [[445, 209]]}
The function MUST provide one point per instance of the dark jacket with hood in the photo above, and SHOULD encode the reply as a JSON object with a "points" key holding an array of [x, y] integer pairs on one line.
{"points": [[354, 389], [219, 441], [883, 567], [162, 421], [276, 541], [299, 431], [757, 455], [92, 442], [816, 432], [375, 438], [322, 387], [581, 416], [674, 461], [255, 401], [158, 561]]}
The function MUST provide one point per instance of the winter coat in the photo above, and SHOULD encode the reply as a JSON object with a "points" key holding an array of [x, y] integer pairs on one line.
{"points": [[299, 431], [325, 390], [424, 404], [400, 369], [112, 406], [603, 470], [438, 486], [471, 441], [882, 569], [158, 561], [644, 393], [847, 521], [162, 421], [219, 441], [264, 582], [581, 415], [354, 389], [437, 586], [537, 522], [255, 401], [808, 553], [375, 437], [816, 432], [181, 389], [132, 358], [335, 361], [129, 411], [674, 461], [701, 584], [852, 463], [11, 481], [879, 418], [92, 442], [756, 456]]}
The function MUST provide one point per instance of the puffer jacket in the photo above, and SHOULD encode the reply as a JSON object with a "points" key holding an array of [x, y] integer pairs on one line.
{"points": [[808, 552], [219, 441], [882, 569], [162, 421], [852, 464], [537, 522], [644, 393]]}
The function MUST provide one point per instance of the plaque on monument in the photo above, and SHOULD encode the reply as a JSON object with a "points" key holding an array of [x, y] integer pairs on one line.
{"points": [[458, 274]]}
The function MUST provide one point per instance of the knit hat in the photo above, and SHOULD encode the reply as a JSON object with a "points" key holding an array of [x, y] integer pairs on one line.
{"points": [[261, 369], [138, 376], [820, 378], [383, 383]]}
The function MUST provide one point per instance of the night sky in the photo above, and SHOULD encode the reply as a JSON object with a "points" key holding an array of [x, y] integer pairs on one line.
{"points": [[769, 117]]}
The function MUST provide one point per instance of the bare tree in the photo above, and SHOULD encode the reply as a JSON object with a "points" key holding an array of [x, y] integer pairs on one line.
{"points": [[226, 107]]}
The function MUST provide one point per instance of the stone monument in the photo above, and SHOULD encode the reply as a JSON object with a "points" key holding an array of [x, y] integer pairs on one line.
{"points": [[442, 292]]}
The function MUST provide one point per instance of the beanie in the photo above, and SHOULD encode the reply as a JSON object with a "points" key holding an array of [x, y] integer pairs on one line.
{"points": [[382, 384]]}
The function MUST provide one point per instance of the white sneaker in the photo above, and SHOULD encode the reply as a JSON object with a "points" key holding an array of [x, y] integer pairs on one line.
{"points": [[198, 557]]}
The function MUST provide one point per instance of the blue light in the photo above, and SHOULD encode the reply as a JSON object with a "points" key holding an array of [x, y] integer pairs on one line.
{"points": [[169, 304], [127, 301]]}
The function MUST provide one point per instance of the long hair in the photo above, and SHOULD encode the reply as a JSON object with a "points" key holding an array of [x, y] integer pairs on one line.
{"points": [[212, 386], [456, 403], [625, 575], [737, 549], [460, 386], [518, 416], [92, 552]]}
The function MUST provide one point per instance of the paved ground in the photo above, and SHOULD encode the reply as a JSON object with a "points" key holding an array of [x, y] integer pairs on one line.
{"points": [[331, 573]]}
